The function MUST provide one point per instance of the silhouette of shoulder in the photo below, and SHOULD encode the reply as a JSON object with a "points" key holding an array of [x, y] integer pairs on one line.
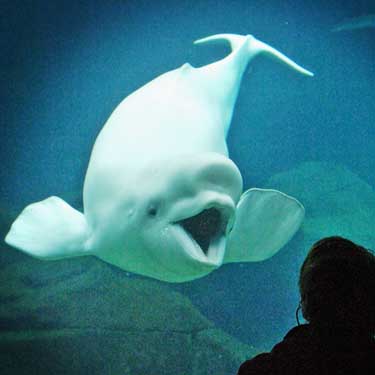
{"points": [[311, 350]]}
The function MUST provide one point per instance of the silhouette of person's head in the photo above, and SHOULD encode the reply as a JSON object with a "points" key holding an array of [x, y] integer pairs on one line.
{"points": [[337, 286]]}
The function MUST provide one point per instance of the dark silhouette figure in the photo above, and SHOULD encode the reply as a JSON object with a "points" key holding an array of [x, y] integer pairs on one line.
{"points": [[337, 287]]}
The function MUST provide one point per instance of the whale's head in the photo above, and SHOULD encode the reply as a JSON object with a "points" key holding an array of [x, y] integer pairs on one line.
{"points": [[171, 224]]}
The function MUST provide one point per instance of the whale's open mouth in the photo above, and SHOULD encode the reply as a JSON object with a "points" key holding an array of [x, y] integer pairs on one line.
{"points": [[207, 230]]}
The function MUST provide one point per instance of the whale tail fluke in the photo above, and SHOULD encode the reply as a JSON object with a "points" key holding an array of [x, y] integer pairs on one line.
{"points": [[234, 40], [50, 229], [255, 47], [265, 48]]}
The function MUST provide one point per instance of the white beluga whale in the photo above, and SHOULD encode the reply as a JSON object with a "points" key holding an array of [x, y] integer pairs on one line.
{"points": [[355, 23], [161, 197]]}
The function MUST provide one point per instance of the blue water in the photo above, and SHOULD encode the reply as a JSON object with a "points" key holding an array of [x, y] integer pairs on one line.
{"points": [[66, 65]]}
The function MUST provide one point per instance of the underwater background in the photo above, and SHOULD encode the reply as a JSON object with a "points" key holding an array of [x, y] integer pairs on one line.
{"points": [[65, 66]]}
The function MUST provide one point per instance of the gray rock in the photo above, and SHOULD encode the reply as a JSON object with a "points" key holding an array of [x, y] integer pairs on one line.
{"points": [[337, 201], [83, 316]]}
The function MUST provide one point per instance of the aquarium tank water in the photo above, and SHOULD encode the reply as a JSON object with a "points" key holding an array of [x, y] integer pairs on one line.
{"points": [[65, 67]]}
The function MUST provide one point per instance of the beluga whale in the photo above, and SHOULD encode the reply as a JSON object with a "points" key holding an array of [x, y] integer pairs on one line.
{"points": [[355, 23], [161, 197]]}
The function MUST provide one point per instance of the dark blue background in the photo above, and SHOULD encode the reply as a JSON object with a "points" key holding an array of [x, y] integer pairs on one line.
{"points": [[66, 65]]}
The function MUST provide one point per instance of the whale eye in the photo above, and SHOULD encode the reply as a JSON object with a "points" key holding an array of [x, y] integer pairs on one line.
{"points": [[152, 210]]}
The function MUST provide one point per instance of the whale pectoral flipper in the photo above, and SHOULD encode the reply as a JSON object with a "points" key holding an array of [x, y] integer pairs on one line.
{"points": [[265, 221], [49, 229]]}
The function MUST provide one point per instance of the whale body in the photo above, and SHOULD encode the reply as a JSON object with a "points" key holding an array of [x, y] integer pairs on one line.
{"points": [[161, 196]]}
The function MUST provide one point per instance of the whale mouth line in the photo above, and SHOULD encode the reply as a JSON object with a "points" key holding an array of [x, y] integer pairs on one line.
{"points": [[205, 228]]}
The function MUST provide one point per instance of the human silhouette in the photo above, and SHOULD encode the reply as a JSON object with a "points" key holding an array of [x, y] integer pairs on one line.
{"points": [[337, 288]]}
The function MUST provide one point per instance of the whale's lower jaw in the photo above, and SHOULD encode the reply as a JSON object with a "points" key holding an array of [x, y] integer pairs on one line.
{"points": [[203, 236]]}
